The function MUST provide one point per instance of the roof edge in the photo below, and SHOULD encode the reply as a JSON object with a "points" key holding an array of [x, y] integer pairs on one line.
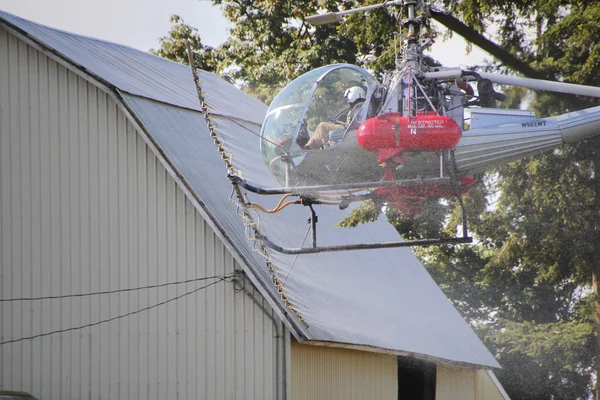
{"points": [[63, 60], [79, 35], [381, 350], [80, 69], [498, 385]]}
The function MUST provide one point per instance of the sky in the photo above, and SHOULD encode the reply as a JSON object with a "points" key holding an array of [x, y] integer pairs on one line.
{"points": [[139, 23]]}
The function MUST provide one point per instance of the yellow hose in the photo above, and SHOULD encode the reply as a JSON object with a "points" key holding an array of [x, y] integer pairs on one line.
{"points": [[278, 208]]}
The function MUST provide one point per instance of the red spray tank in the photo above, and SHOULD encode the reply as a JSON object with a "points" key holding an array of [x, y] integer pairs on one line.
{"points": [[392, 133]]}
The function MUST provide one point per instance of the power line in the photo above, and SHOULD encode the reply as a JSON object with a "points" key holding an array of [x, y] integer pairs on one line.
{"points": [[221, 279], [112, 291]]}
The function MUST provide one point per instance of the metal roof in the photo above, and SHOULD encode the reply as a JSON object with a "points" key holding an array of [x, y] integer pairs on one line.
{"points": [[378, 298], [139, 73]]}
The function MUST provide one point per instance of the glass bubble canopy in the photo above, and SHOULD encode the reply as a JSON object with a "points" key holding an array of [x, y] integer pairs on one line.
{"points": [[294, 114]]}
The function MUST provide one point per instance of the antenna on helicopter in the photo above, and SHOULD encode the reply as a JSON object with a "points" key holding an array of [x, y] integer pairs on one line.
{"points": [[333, 17]]}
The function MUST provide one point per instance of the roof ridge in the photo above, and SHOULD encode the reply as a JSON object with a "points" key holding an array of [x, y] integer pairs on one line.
{"points": [[131, 70], [86, 37], [64, 31]]}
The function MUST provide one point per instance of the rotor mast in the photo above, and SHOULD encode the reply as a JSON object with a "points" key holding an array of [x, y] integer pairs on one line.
{"points": [[405, 93], [412, 55], [410, 61], [409, 92]]}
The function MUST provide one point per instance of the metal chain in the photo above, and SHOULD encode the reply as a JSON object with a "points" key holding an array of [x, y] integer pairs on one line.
{"points": [[236, 187]]}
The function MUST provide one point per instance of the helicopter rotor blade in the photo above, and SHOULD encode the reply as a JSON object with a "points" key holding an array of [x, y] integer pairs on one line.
{"points": [[324, 19], [451, 74], [333, 17], [537, 84], [472, 36]]}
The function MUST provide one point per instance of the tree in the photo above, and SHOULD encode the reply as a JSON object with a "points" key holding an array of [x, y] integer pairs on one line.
{"points": [[538, 259], [174, 47], [526, 281], [271, 44]]}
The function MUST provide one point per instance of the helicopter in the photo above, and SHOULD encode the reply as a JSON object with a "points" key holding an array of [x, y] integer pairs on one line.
{"points": [[337, 130]]}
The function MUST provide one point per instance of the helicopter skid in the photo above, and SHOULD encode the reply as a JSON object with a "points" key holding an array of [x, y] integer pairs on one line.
{"points": [[364, 246]]}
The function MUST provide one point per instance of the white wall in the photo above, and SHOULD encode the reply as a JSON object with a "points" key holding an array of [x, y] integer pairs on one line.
{"points": [[86, 206]]}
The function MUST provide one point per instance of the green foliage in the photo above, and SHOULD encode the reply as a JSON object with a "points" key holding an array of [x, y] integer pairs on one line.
{"points": [[548, 360], [526, 285], [173, 47], [271, 44], [570, 47], [541, 234], [427, 224], [368, 211], [456, 269], [530, 272], [566, 33]]}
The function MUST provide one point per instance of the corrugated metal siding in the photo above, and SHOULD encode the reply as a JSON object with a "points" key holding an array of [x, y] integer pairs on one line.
{"points": [[85, 206], [454, 383], [341, 374]]}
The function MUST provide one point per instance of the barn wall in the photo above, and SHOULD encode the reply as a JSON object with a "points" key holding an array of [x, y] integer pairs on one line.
{"points": [[86, 206], [329, 373], [488, 388], [455, 383]]}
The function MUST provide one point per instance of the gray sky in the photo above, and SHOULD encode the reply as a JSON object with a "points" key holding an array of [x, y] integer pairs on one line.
{"points": [[136, 23], [139, 23]]}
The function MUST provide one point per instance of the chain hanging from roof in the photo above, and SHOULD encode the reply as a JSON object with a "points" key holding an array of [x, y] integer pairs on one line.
{"points": [[241, 200]]}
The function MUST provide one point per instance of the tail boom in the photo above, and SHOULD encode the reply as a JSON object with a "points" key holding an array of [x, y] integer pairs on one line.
{"points": [[489, 147]]}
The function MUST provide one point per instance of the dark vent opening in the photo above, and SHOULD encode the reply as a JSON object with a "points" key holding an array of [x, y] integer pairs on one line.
{"points": [[416, 379]]}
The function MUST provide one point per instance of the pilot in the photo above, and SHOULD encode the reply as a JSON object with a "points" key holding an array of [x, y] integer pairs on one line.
{"points": [[355, 97]]}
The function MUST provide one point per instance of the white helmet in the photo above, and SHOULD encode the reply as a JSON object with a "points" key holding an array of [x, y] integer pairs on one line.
{"points": [[354, 93]]}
